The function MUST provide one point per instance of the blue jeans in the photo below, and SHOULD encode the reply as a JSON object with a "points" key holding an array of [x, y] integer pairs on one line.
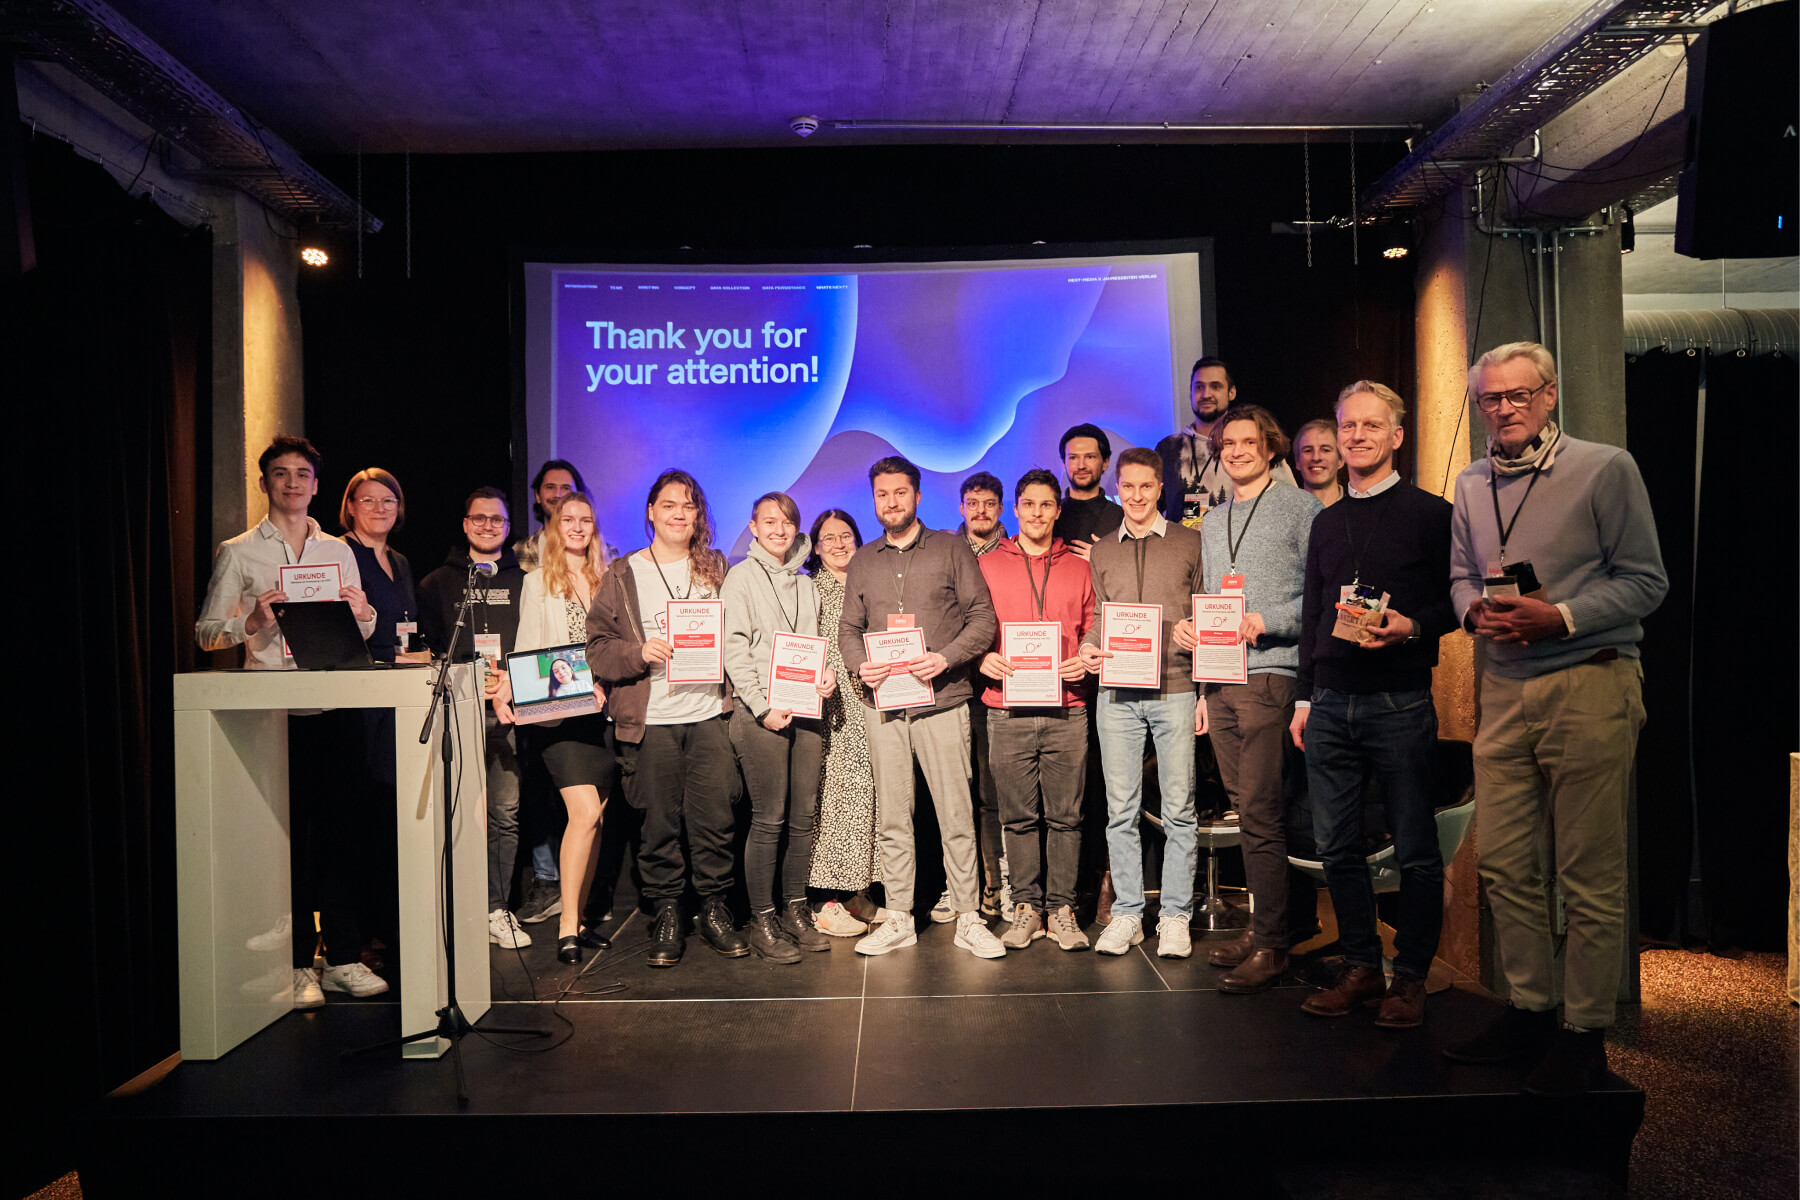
{"points": [[1393, 735], [1125, 716]]}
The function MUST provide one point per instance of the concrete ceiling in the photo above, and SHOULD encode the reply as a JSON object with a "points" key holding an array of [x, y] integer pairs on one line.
{"points": [[515, 75]]}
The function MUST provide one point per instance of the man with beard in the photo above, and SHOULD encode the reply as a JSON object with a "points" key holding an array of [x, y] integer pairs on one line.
{"points": [[1194, 479], [924, 579], [1087, 515]]}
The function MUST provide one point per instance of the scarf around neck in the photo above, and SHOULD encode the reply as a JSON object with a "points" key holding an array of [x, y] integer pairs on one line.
{"points": [[1538, 455]]}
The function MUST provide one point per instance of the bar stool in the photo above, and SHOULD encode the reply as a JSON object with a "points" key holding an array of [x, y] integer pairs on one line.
{"points": [[1211, 912]]}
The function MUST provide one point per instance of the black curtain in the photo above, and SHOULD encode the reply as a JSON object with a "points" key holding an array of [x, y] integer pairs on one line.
{"points": [[1720, 654], [110, 365]]}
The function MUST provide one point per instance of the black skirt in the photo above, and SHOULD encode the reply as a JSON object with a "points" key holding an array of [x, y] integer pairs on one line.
{"points": [[578, 751]]}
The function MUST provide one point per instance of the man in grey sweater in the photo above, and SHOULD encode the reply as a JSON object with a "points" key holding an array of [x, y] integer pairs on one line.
{"points": [[924, 579], [1255, 544], [1554, 563], [1151, 560]]}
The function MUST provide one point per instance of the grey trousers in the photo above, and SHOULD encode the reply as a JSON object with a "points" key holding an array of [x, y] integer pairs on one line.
{"points": [[1039, 760], [940, 742]]}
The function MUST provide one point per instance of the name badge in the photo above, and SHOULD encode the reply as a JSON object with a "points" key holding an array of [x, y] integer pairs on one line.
{"points": [[903, 621], [404, 630], [1230, 584], [487, 645]]}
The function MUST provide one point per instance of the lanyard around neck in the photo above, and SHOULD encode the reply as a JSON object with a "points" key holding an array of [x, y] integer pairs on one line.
{"points": [[793, 622], [1041, 597], [1231, 515]]}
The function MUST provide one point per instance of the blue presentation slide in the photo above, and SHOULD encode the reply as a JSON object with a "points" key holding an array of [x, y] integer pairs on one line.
{"points": [[787, 379]]}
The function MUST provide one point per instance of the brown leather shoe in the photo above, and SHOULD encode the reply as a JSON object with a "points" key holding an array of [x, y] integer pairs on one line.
{"points": [[1404, 1005], [1234, 952], [1355, 987], [1257, 973], [1103, 913]]}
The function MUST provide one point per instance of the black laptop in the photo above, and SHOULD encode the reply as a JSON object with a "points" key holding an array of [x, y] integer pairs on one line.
{"points": [[322, 635]]}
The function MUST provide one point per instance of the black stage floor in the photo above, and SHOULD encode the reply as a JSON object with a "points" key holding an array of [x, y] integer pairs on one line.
{"points": [[1044, 1067]]}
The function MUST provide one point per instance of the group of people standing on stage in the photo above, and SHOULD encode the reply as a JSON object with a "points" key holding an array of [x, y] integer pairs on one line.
{"points": [[1347, 585]]}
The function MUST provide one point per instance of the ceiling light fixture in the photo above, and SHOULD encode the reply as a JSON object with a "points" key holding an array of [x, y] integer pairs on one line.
{"points": [[312, 256], [1627, 232], [1399, 241]]}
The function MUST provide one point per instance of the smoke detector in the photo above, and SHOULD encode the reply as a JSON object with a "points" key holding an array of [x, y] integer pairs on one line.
{"points": [[804, 126]]}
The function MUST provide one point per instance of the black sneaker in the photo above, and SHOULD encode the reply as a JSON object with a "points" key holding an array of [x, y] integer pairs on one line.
{"points": [[543, 900], [1514, 1034], [766, 940], [797, 924], [1576, 1063], [666, 942], [720, 930]]}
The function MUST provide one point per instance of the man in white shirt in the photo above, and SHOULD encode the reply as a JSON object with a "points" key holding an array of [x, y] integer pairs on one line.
{"points": [[239, 609]]}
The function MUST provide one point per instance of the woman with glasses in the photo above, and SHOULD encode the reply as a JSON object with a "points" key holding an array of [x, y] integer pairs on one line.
{"points": [[844, 858], [374, 508]]}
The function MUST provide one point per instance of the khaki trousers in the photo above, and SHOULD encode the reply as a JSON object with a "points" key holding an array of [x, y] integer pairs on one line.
{"points": [[940, 742], [1553, 761]]}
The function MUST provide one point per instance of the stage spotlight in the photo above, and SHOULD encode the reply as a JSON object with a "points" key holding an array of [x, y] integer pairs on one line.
{"points": [[1627, 233], [1399, 241], [312, 256]]}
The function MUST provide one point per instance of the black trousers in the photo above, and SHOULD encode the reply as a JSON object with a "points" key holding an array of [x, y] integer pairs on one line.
{"points": [[682, 779], [332, 823]]}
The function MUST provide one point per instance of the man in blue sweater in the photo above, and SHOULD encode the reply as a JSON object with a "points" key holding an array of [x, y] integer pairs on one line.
{"points": [[1553, 565], [1366, 702]]}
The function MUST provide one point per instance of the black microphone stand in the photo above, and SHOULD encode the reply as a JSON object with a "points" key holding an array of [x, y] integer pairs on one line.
{"points": [[451, 1023]]}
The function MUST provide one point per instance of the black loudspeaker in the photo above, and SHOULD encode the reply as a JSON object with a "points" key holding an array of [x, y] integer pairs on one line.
{"points": [[1739, 191]]}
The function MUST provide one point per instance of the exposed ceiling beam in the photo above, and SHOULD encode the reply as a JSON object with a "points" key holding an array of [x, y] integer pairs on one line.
{"points": [[1605, 39], [91, 40]]}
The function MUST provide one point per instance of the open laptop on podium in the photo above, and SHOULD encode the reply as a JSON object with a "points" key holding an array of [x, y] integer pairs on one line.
{"points": [[550, 684], [322, 635]]}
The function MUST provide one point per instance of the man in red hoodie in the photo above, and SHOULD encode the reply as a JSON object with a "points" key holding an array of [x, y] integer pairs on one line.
{"points": [[1038, 735]]}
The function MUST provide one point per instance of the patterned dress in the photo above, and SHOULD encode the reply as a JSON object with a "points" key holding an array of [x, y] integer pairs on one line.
{"points": [[845, 857]]}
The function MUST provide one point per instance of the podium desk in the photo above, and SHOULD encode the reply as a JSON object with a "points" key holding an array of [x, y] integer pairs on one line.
{"points": [[231, 857]]}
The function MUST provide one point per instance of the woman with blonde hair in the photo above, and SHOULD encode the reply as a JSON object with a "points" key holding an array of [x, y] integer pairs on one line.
{"points": [[576, 751]]}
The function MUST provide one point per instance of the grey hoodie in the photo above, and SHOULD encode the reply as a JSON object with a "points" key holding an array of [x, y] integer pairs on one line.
{"points": [[762, 596]]}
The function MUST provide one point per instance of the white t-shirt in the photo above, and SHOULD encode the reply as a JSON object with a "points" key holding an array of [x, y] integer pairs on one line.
{"points": [[683, 703]]}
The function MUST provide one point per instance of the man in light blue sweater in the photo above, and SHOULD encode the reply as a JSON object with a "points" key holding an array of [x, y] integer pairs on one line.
{"points": [[1255, 543], [1553, 565]]}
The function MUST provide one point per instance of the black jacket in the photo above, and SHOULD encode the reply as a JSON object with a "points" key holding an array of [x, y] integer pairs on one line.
{"points": [[495, 608]]}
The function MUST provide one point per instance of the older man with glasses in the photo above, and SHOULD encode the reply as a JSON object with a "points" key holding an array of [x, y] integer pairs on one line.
{"points": [[1554, 564]]}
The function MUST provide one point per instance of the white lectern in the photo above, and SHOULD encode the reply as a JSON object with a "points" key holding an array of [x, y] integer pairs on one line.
{"points": [[231, 829]]}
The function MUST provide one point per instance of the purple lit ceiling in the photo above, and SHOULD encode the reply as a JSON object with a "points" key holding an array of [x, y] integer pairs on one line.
{"points": [[446, 76]]}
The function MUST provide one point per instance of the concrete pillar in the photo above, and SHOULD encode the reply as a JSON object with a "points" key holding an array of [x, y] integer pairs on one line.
{"points": [[257, 383]]}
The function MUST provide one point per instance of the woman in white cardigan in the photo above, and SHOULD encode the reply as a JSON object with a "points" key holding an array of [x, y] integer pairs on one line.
{"points": [[576, 751]]}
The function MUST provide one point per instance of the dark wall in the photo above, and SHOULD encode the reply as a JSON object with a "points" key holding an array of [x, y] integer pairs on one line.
{"points": [[414, 375]]}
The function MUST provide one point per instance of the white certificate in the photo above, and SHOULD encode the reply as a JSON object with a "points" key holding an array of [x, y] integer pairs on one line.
{"points": [[311, 582], [897, 647], [1132, 634], [796, 664], [1221, 656], [697, 633], [1034, 648]]}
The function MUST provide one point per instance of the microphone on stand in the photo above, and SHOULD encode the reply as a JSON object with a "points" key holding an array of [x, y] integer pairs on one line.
{"points": [[482, 568]]}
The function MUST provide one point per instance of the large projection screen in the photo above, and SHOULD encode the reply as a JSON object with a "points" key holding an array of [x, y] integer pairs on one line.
{"points": [[796, 377]]}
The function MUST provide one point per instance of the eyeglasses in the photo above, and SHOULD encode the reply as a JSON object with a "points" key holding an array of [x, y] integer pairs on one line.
{"points": [[372, 502], [1488, 402], [487, 522], [838, 539]]}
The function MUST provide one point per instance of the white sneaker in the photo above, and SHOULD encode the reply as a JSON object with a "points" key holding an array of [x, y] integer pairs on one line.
{"points": [[943, 912], [307, 993], [837, 921], [1172, 939], [279, 935], [1121, 933], [503, 930], [973, 935], [354, 978], [895, 933], [1067, 930]]}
